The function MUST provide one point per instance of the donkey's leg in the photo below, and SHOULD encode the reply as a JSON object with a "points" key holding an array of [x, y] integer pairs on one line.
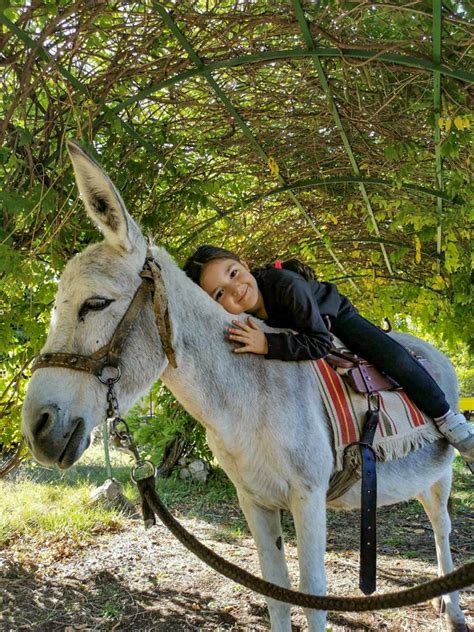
{"points": [[435, 503], [265, 525], [309, 513]]}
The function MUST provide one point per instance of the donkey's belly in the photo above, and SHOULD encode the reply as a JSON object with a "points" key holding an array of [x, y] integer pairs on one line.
{"points": [[279, 459], [402, 479], [264, 481]]}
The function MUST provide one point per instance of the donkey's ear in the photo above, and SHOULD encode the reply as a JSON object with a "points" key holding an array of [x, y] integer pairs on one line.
{"points": [[103, 202]]}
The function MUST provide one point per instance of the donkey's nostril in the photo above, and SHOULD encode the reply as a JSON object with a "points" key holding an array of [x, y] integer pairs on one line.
{"points": [[45, 421], [42, 423]]}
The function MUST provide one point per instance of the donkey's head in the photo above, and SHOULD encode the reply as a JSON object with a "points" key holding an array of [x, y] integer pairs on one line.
{"points": [[63, 405]]}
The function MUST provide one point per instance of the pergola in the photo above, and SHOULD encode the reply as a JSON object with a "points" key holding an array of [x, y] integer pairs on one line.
{"points": [[334, 131]]}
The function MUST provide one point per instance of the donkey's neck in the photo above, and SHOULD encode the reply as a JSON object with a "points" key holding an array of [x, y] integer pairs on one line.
{"points": [[214, 384]]}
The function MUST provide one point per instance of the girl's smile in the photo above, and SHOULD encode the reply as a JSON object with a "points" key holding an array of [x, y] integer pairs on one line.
{"points": [[231, 284]]}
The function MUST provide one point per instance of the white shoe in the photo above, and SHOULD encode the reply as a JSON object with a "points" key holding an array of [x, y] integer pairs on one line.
{"points": [[460, 434]]}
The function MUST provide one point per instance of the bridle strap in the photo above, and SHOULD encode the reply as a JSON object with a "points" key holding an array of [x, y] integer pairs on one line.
{"points": [[109, 355], [152, 271], [69, 361], [120, 335]]}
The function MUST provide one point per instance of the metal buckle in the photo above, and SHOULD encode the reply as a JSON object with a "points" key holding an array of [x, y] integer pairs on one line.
{"points": [[141, 470], [110, 380]]}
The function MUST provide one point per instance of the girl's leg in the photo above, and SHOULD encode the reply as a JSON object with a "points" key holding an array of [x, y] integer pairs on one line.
{"points": [[371, 343], [388, 355]]}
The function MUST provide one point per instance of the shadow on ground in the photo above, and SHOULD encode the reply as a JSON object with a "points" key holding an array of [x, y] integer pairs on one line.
{"points": [[104, 603]]}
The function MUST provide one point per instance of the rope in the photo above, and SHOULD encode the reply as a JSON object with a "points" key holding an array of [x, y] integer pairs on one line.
{"points": [[105, 440], [460, 578]]}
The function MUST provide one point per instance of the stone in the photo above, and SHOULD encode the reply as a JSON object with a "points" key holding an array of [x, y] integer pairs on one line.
{"points": [[184, 473], [196, 466], [110, 494], [200, 476]]}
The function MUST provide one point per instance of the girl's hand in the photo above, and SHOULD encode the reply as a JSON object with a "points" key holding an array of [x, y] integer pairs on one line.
{"points": [[250, 336]]}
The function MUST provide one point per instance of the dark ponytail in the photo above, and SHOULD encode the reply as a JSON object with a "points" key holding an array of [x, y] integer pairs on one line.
{"points": [[295, 265]]}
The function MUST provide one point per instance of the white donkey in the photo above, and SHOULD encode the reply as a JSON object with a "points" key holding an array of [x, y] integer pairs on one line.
{"points": [[264, 420]]}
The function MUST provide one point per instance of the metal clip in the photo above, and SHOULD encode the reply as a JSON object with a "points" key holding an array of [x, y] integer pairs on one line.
{"points": [[373, 402], [141, 470], [124, 436]]}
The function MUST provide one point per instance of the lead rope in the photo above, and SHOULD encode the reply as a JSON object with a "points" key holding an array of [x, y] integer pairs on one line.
{"points": [[143, 473], [459, 578]]}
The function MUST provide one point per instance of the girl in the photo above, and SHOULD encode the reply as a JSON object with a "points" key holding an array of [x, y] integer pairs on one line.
{"points": [[291, 298]]}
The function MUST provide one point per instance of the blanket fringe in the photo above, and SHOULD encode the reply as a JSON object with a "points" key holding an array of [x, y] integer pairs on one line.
{"points": [[395, 447]]}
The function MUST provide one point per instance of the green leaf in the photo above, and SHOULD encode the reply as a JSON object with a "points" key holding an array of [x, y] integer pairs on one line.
{"points": [[12, 202]]}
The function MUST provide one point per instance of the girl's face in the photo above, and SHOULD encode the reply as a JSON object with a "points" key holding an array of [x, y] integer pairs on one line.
{"points": [[230, 283]]}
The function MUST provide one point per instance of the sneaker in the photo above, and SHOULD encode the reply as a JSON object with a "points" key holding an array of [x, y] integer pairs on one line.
{"points": [[460, 434]]}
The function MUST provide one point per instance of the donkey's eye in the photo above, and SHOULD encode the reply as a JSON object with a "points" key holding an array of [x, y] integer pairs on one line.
{"points": [[94, 304]]}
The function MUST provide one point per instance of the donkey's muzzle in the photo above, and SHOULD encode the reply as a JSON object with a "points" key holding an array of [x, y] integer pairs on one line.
{"points": [[54, 440]]}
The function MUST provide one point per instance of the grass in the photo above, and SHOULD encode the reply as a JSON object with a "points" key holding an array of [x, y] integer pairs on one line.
{"points": [[49, 504], [30, 508], [463, 488]]}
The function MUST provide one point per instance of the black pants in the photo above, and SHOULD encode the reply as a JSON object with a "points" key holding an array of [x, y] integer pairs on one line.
{"points": [[371, 343]]}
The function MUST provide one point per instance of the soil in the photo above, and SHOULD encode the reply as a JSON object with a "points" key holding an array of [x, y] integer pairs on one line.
{"points": [[146, 580]]}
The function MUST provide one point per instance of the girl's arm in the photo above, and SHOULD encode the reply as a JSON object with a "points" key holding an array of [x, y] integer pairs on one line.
{"points": [[313, 340]]}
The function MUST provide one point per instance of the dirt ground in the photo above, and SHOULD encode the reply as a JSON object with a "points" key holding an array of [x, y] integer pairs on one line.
{"points": [[145, 580]]}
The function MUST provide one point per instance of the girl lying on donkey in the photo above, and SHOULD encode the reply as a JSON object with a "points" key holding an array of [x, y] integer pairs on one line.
{"points": [[290, 297]]}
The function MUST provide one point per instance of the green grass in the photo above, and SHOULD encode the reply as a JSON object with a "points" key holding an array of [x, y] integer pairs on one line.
{"points": [[112, 610], [28, 508], [50, 504], [463, 487]]}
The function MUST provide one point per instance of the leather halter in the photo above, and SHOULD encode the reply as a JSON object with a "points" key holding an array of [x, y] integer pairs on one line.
{"points": [[110, 354]]}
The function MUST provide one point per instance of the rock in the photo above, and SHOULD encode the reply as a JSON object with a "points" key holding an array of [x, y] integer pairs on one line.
{"points": [[196, 470], [200, 476], [110, 494], [199, 470], [196, 466], [96, 436], [184, 473]]}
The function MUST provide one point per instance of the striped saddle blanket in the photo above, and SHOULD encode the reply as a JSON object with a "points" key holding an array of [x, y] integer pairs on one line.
{"points": [[402, 426]]}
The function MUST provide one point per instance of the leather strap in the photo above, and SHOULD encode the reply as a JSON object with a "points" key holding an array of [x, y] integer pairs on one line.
{"points": [[69, 361], [152, 271], [368, 506], [124, 327]]}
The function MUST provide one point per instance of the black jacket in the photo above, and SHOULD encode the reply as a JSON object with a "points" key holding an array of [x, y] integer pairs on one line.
{"points": [[292, 302]]}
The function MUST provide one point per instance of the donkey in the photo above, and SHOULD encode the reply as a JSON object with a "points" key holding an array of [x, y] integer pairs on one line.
{"points": [[264, 420]]}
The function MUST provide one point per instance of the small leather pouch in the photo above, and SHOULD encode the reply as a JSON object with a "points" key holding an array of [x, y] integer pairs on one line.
{"points": [[365, 378]]}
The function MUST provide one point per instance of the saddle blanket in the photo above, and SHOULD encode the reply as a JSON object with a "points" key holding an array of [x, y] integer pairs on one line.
{"points": [[402, 426]]}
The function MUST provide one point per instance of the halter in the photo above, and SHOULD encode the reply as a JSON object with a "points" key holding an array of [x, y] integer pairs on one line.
{"points": [[110, 354]]}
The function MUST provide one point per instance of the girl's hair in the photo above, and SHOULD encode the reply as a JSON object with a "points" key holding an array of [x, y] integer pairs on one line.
{"points": [[204, 254], [195, 263]]}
